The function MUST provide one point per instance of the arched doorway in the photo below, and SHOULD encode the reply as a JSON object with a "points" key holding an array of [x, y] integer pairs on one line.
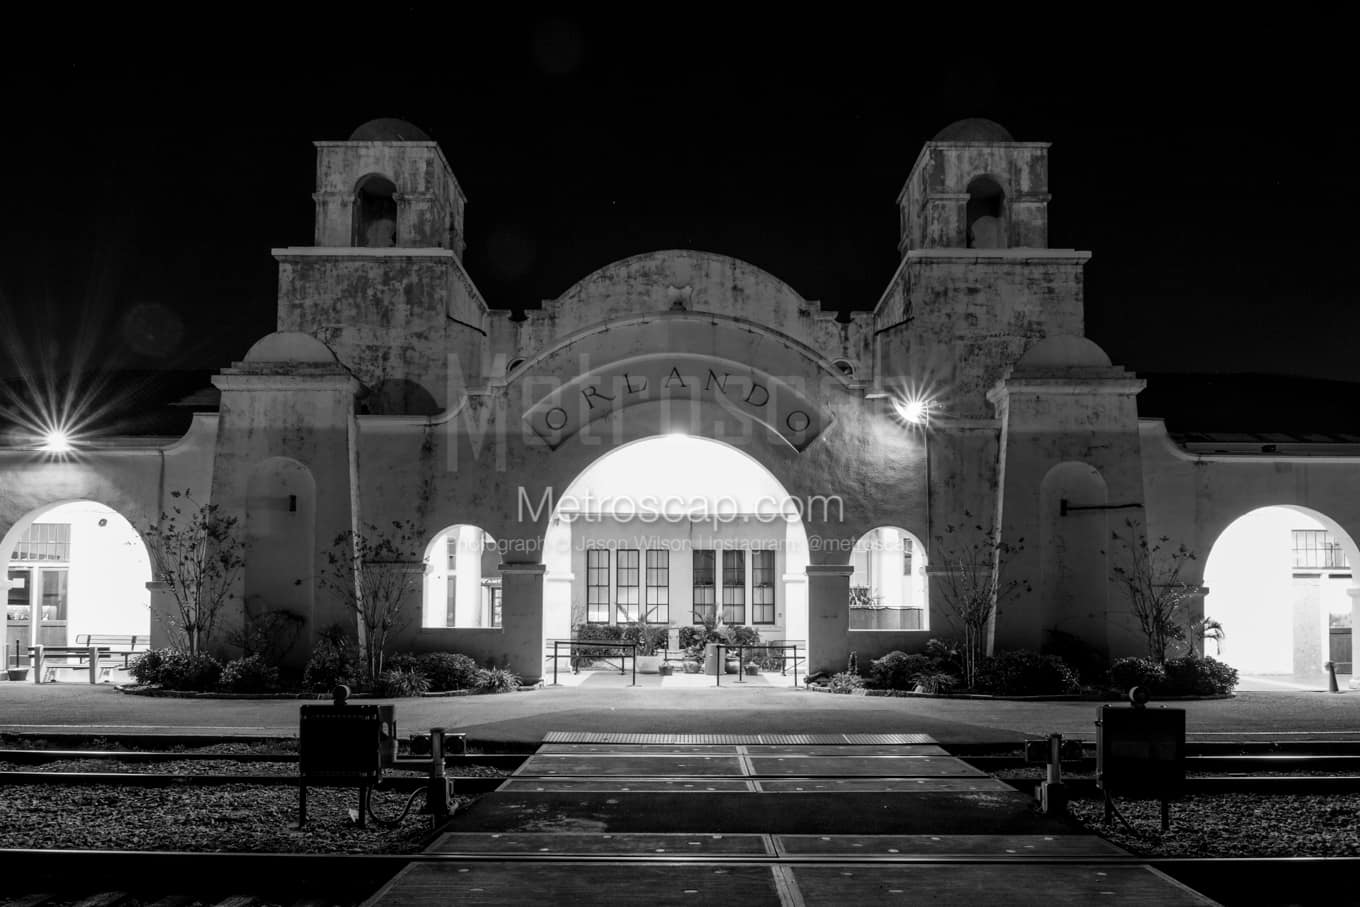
{"points": [[676, 530], [1280, 584], [462, 587], [888, 584], [76, 568]]}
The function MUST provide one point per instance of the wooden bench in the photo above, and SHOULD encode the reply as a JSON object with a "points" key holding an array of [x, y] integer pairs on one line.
{"points": [[126, 646]]}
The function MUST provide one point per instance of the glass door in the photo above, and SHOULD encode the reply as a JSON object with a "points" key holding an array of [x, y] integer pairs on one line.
{"points": [[19, 616]]}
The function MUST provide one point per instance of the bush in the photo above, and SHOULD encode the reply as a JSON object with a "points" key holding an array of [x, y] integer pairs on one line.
{"points": [[937, 682], [147, 669], [448, 670], [395, 682], [1194, 675], [335, 660], [496, 680], [1025, 673], [742, 636], [195, 673], [1090, 663], [1127, 673], [845, 682], [251, 674], [898, 670], [602, 632], [650, 639]]}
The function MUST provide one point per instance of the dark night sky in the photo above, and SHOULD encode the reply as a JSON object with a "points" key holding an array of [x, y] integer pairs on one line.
{"points": [[1210, 175]]}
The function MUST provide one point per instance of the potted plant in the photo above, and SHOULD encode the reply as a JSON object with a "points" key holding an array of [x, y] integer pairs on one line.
{"points": [[648, 640]]}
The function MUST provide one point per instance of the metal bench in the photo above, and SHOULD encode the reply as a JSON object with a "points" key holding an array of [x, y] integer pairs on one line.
{"points": [[126, 646], [91, 658]]}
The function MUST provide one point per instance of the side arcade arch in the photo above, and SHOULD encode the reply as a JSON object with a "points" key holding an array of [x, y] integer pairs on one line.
{"points": [[1281, 585], [73, 568]]}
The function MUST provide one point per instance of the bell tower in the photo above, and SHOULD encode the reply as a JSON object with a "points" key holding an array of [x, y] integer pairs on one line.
{"points": [[389, 186], [383, 286], [975, 187]]}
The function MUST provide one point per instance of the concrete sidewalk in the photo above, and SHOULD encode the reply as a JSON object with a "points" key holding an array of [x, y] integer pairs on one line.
{"points": [[525, 717]]}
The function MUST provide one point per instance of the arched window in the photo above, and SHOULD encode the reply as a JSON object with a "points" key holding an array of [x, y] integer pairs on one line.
{"points": [[986, 223], [375, 213]]}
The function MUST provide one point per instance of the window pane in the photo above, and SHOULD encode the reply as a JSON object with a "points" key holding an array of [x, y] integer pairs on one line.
{"points": [[54, 594], [659, 586], [704, 602], [734, 587], [762, 587], [597, 586], [626, 582]]}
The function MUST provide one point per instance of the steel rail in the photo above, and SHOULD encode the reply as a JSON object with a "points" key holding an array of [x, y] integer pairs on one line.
{"points": [[463, 784]]}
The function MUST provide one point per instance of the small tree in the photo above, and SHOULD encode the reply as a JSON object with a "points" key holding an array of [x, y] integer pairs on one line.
{"points": [[196, 551], [969, 585], [1151, 575], [374, 572]]}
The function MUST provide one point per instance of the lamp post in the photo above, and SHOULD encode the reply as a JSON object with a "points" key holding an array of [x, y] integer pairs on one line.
{"points": [[916, 411]]}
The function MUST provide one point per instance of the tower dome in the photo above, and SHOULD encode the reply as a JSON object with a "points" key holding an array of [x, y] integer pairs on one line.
{"points": [[389, 129], [974, 130]]}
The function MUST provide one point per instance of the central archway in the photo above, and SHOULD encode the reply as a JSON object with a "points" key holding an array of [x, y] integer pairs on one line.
{"points": [[673, 530]]}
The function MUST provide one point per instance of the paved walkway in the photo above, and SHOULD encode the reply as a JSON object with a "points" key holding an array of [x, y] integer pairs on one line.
{"points": [[524, 718], [813, 820]]}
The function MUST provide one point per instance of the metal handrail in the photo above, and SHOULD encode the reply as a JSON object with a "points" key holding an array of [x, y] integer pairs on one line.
{"points": [[741, 662], [632, 648]]}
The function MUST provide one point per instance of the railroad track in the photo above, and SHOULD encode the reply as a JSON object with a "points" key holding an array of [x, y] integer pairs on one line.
{"points": [[48, 878], [121, 878]]}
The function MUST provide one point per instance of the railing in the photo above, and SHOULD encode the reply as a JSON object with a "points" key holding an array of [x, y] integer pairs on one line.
{"points": [[626, 651], [741, 661]]}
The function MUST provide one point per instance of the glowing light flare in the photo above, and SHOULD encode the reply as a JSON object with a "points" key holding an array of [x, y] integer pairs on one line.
{"points": [[57, 441], [915, 410]]}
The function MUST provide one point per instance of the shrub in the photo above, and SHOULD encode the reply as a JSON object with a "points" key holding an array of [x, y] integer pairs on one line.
{"points": [[448, 670], [395, 682], [196, 673], [335, 660], [898, 670], [937, 682], [1195, 675], [496, 680], [1025, 673], [945, 656], [650, 639], [845, 682], [603, 632], [251, 674], [1090, 663], [147, 669], [742, 636], [1127, 673]]}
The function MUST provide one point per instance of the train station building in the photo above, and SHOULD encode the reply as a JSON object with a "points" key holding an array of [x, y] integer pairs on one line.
{"points": [[681, 436]]}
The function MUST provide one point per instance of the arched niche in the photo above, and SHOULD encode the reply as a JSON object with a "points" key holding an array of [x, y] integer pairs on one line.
{"points": [[74, 568], [375, 212], [888, 583], [1280, 585], [986, 214], [1074, 536], [462, 580], [280, 556]]}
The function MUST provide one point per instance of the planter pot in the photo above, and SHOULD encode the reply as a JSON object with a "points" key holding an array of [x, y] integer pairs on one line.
{"points": [[666, 669], [648, 664], [18, 673], [731, 666], [753, 669], [693, 667]]}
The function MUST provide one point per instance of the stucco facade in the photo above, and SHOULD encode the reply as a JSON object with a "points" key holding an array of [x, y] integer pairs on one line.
{"points": [[392, 391]]}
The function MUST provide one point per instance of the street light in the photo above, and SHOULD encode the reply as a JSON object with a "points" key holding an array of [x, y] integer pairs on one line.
{"points": [[56, 441], [915, 410]]}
